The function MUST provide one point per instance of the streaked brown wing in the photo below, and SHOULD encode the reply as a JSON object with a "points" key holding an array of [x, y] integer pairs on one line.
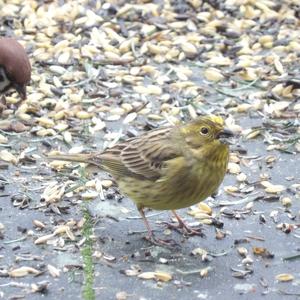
{"points": [[141, 157]]}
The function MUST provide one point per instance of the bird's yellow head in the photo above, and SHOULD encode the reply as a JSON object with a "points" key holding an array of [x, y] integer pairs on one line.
{"points": [[205, 130]]}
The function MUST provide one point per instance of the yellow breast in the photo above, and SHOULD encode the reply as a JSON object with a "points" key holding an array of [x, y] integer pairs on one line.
{"points": [[183, 184]]}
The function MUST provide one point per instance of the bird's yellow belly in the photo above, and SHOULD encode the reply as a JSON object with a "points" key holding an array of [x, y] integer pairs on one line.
{"points": [[184, 189]]}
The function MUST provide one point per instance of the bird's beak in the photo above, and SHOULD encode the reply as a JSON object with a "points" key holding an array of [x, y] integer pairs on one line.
{"points": [[225, 133], [21, 89]]}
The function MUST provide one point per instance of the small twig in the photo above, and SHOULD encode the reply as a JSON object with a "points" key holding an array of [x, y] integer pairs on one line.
{"points": [[101, 193], [15, 241], [225, 252], [197, 271], [257, 238], [79, 83], [288, 293], [226, 93], [29, 167], [35, 189], [292, 257], [9, 133], [38, 140], [246, 85], [73, 188], [189, 272], [132, 46], [15, 284]]}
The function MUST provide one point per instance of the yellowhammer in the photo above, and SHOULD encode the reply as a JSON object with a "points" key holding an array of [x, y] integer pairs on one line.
{"points": [[167, 168]]}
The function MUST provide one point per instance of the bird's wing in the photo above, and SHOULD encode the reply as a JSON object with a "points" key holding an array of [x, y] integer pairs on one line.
{"points": [[141, 157]]}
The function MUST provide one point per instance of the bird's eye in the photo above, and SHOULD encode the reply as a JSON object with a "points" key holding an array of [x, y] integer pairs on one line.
{"points": [[204, 130]]}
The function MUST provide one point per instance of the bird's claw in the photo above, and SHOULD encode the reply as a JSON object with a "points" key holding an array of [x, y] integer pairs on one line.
{"points": [[169, 243], [185, 229], [193, 231]]}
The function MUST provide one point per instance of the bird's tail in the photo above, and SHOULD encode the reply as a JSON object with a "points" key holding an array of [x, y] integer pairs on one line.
{"points": [[89, 158]]}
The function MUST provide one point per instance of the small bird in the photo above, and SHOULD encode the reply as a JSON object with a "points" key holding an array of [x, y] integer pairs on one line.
{"points": [[167, 168], [15, 68]]}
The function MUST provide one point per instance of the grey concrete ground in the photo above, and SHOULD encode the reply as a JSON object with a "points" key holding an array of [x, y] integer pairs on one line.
{"points": [[122, 250]]}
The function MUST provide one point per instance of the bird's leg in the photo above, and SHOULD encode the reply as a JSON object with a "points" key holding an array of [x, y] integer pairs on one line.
{"points": [[151, 238], [187, 230], [150, 232]]}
